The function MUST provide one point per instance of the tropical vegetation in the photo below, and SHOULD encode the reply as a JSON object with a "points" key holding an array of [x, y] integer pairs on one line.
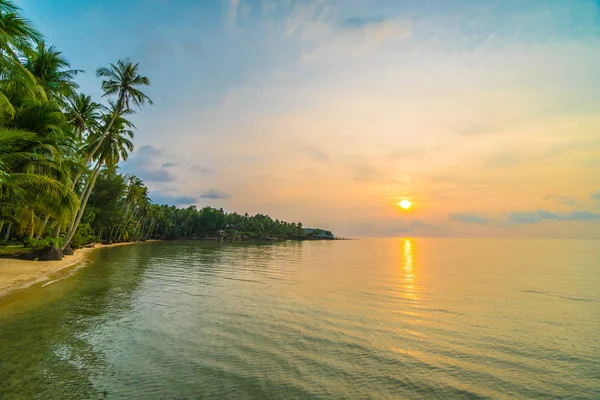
{"points": [[60, 187]]}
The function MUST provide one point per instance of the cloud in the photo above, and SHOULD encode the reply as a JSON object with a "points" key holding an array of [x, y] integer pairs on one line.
{"points": [[596, 196], [214, 194], [149, 150], [315, 154], [203, 169], [388, 228], [503, 160], [365, 172], [157, 175], [161, 197], [566, 200], [534, 217], [168, 164], [145, 164], [526, 217], [232, 11], [469, 218], [375, 28], [400, 226], [325, 37]]}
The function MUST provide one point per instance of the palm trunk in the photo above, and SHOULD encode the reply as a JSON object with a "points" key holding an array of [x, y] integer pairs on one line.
{"points": [[41, 231], [104, 134], [123, 224], [75, 225], [110, 234], [32, 229], [7, 234], [138, 226], [57, 229], [107, 129], [85, 190]]}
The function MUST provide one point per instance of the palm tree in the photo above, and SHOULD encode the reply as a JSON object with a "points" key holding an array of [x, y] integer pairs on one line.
{"points": [[31, 179], [52, 72], [16, 36], [83, 113], [121, 80], [113, 147]]}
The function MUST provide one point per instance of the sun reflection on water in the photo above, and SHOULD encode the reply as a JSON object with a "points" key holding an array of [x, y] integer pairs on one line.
{"points": [[409, 289]]}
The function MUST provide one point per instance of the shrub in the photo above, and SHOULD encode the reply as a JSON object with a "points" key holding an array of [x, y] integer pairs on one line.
{"points": [[82, 237], [41, 244]]}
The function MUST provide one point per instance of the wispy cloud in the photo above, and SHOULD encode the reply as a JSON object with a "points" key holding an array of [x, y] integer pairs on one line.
{"points": [[232, 11], [534, 217], [566, 200], [326, 37], [163, 197], [214, 194], [469, 218], [315, 154], [145, 163], [202, 169]]}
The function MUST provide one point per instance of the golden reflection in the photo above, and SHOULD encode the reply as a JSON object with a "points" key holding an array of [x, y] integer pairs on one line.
{"points": [[409, 289]]}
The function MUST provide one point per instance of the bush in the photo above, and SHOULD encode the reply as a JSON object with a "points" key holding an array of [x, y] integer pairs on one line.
{"points": [[82, 237], [41, 244]]}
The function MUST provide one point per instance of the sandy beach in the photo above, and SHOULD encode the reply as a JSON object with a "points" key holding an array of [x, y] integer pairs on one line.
{"points": [[20, 274]]}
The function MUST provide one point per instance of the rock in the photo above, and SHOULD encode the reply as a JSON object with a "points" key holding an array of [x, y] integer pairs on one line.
{"points": [[50, 253], [68, 251]]}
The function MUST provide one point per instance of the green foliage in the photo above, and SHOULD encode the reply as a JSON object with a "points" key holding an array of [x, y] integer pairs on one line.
{"points": [[82, 236], [40, 244]]}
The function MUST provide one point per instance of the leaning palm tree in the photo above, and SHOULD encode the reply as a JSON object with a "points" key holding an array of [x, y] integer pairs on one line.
{"points": [[114, 147]]}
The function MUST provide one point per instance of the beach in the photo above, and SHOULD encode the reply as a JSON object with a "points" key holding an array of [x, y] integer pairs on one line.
{"points": [[19, 274]]}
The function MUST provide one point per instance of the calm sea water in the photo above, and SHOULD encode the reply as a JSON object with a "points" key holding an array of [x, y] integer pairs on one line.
{"points": [[380, 319]]}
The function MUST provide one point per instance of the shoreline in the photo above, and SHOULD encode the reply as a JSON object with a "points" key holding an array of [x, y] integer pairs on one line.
{"points": [[16, 274]]}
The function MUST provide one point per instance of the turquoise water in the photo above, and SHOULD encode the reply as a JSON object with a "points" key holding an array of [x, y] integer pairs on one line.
{"points": [[380, 319]]}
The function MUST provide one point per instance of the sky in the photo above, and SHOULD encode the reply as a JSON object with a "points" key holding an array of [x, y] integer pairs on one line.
{"points": [[483, 113]]}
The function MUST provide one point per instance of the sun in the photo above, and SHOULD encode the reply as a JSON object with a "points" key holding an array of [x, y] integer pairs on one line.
{"points": [[405, 204]]}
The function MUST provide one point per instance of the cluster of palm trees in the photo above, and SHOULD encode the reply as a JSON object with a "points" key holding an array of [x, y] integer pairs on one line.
{"points": [[119, 210], [59, 151], [169, 222], [55, 141]]}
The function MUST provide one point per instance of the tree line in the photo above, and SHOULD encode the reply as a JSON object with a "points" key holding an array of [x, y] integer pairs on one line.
{"points": [[120, 210], [60, 149]]}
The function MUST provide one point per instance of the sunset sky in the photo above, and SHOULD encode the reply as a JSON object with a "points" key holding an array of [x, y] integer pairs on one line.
{"points": [[484, 114]]}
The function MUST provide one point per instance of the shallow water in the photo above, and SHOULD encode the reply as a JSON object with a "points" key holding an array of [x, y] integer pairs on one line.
{"points": [[393, 318]]}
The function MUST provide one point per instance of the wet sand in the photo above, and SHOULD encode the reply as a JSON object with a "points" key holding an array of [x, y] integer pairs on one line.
{"points": [[20, 274]]}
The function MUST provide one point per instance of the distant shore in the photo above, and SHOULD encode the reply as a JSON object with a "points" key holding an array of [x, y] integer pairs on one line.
{"points": [[17, 274]]}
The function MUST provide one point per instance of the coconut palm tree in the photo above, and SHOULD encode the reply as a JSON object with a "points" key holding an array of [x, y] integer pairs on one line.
{"points": [[52, 72], [114, 147], [31, 179], [121, 80], [83, 113], [16, 36]]}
